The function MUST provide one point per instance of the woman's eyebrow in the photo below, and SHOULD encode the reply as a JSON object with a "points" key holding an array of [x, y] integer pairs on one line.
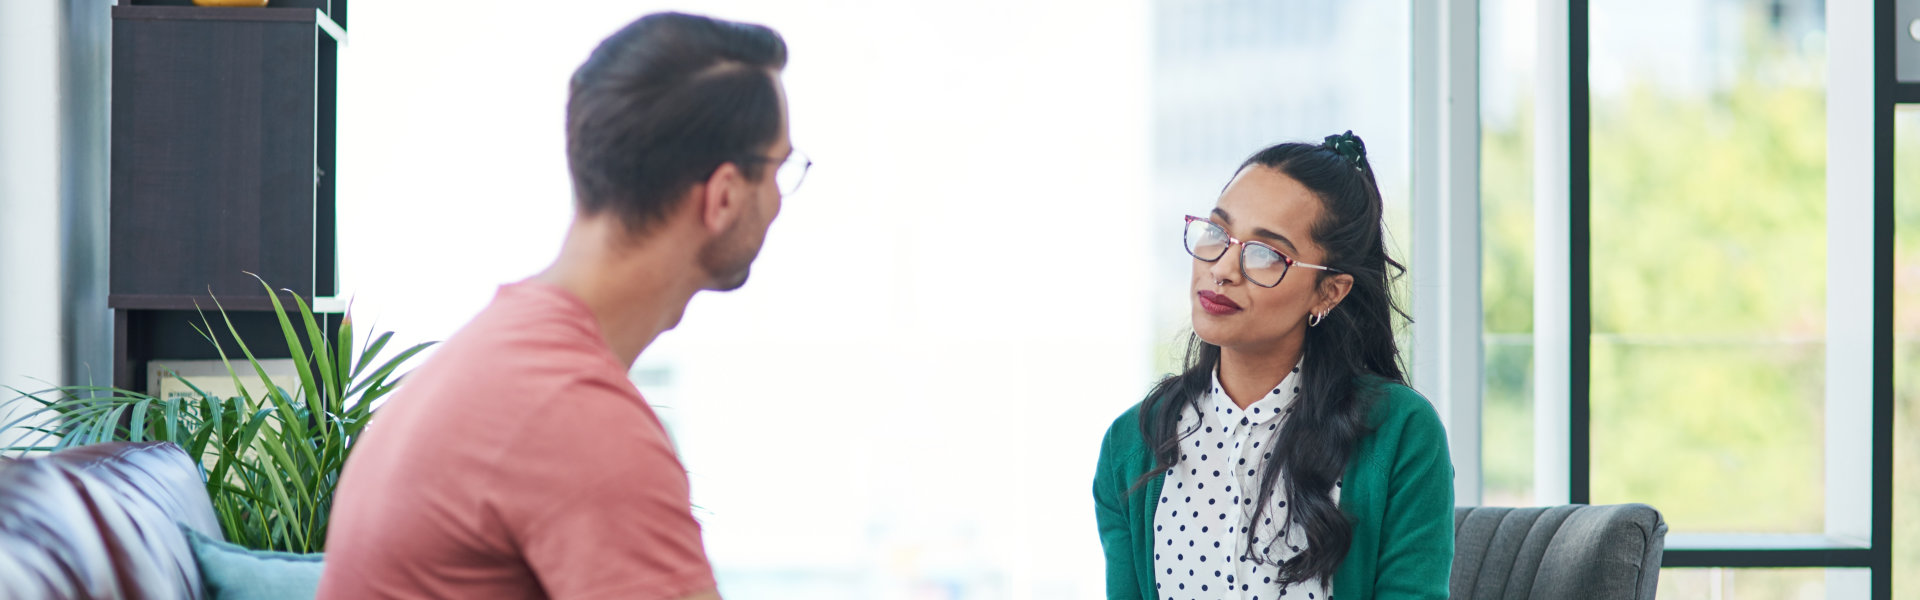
{"points": [[1265, 233]]}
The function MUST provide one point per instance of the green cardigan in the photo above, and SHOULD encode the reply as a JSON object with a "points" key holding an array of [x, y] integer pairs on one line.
{"points": [[1398, 489]]}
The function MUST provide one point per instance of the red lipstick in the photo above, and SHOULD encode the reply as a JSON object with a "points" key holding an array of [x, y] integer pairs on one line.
{"points": [[1217, 304]]}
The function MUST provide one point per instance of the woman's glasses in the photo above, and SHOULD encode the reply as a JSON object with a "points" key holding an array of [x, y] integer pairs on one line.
{"points": [[1261, 264]]}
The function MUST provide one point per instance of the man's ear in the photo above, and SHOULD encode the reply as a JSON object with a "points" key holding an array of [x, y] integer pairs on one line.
{"points": [[1333, 290], [720, 198]]}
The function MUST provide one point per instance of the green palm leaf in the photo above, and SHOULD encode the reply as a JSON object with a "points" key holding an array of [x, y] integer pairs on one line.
{"points": [[270, 460]]}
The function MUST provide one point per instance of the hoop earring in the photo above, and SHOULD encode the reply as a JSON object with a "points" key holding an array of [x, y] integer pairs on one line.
{"points": [[1315, 319]]}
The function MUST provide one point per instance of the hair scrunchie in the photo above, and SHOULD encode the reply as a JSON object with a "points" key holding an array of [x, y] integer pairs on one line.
{"points": [[1348, 146]]}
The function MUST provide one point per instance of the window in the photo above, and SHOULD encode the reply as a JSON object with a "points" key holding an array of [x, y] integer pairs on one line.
{"points": [[1507, 51], [1906, 350], [1708, 262], [1735, 384], [1753, 584]]}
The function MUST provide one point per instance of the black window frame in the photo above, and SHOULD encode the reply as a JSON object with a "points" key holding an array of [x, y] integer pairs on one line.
{"points": [[1887, 94]]}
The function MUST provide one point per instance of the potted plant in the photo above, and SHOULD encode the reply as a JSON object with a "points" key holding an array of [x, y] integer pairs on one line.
{"points": [[270, 459]]}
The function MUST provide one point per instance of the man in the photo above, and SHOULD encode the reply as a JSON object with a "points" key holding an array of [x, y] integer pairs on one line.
{"points": [[519, 461]]}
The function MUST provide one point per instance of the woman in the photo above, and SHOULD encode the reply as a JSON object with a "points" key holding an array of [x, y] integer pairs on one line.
{"points": [[1289, 459]]}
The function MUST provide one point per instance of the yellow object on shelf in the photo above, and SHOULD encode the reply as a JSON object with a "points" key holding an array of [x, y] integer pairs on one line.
{"points": [[230, 2]]}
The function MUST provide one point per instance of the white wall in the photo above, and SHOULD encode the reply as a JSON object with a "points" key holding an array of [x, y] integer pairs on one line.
{"points": [[54, 325], [30, 278]]}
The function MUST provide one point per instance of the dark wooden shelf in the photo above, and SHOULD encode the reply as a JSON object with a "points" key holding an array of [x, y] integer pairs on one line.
{"points": [[144, 336], [220, 13], [223, 153], [223, 142], [335, 10], [202, 302]]}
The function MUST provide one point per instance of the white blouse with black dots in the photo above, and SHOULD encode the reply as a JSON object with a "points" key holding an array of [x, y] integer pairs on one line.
{"points": [[1200, 532]]}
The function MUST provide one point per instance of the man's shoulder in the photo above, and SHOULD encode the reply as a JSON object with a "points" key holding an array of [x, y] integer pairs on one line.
{"points": [[513, 354]]}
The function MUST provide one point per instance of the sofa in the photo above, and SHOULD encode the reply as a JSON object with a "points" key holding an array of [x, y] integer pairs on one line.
{"points": [[103, 521], [1568, 552]]}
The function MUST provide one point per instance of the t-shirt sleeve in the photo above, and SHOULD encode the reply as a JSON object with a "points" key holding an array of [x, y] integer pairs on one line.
{"points": [[607, 513]]}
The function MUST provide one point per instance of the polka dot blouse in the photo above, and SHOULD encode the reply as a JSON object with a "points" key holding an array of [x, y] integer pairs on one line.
{"points": [[1200, 532]]}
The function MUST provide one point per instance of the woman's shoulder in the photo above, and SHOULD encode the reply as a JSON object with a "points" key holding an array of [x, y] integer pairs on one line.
{"points": [[1395, 404], [1128, 423], [1128, 419], [1125, 429], [1123, 442]]}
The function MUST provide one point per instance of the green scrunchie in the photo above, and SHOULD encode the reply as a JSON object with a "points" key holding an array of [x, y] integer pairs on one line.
{"points": [[1348, 146]]}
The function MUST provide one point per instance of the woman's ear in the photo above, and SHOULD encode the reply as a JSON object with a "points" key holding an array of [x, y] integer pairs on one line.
{"points": [[1332, 290]]}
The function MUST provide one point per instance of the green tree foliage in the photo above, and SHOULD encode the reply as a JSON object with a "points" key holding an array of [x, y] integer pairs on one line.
{"points": [[1708, 287], [1709, 300], [1906, 375]]}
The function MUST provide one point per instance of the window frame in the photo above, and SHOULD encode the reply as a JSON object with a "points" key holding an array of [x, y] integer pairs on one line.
{"points": [[1859, 413], [1859, 390]]}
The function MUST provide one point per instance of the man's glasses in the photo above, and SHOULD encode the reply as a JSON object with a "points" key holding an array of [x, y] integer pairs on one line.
{"points": [[790, 173], [1261, 264]]}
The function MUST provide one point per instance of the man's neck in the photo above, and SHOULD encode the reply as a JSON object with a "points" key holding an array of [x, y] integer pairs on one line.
{"points": [[635, 292]]}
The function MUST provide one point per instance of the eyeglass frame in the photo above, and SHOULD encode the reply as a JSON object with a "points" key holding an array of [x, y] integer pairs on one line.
{"points": [[1232, 241], [806, 165]]}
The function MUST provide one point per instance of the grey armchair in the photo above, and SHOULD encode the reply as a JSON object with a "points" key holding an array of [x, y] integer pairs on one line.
{"points": [[1557, 552]]}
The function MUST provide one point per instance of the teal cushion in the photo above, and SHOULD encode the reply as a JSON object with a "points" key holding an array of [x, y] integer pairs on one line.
{"points": [[232, 572]]}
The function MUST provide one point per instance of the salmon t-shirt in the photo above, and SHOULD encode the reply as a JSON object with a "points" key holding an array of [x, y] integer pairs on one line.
{"points": [[517, 462]]}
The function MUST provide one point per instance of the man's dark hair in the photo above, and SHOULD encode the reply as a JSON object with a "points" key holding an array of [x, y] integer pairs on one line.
{"points": [[664, 102]]}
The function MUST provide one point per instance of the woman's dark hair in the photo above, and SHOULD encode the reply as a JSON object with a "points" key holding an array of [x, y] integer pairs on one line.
{"points": [[662, 103], [1345, 357]]}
